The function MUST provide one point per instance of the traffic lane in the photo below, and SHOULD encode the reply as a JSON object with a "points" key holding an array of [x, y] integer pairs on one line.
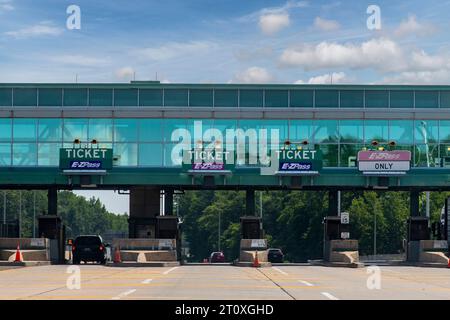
{"points": [[348, 283], [211, 282], [51, 282]]}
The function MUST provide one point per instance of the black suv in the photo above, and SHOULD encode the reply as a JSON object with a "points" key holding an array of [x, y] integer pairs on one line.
{"points": [[275, 255], [88, 248]]}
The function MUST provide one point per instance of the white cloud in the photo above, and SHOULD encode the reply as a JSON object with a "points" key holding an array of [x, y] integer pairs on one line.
{"points": [[43, 28], [174, 49], [381, 54], [254, 16], [80, 60], [421, 77], [273, 22], [6, 5], [253, 75], [335, 77], [125, 73], [326, 25], [411, 26]]}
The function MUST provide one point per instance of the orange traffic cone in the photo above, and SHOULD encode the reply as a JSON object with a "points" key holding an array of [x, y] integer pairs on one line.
{"points": [[18, 255], [448, 265], [256, 263], [117, 258]]}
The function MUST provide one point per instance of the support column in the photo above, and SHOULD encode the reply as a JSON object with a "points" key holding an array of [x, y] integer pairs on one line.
{"points": [[333, 203], [52, 208], [414, 203], [168, 202], [250, 202]]}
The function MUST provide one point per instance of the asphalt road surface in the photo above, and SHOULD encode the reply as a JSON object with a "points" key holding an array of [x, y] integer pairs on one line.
{"points": [[224, 283]]}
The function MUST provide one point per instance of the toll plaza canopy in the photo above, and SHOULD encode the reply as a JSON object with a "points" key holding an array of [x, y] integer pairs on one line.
{"points": [[48, 131]]}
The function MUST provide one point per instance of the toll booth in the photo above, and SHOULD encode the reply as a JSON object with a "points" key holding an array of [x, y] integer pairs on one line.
{"points": [[337, 247], [251, 228], [417, 230], [168, 227], [51, 227]]}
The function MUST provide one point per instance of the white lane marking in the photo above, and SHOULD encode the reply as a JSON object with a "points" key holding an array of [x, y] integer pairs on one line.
{"points": [[170, 270], [329, 296], [306, 283], [124, 294], [147, 281], [280, 271]]}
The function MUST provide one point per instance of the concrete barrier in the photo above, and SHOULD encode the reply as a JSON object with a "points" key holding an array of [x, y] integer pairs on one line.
{"points": [[248, 250], [433, 251], [31, 249], [145, 250], [343, 251]]}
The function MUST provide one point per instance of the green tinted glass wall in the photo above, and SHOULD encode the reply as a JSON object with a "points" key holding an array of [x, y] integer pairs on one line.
{"points": [[150, 97], [175, 97], [25, 97], [327, 98], [5, 97], [445, 99], [226, 98], [101, 97], [75, 97], [402, 99], [50, 97], [251, 98], [427, 99], [5, 130], [301, 98], [276, 98], [200, 98], [126, 97], [352, 98], [377, 99]]}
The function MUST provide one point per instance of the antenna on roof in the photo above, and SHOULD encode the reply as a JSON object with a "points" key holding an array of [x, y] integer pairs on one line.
{"points": [[134, 75], [156, 75], [76, 78], [331, 77]]}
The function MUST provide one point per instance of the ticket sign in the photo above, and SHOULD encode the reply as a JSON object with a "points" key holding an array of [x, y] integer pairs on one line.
{"points": [[299, 161], [85, 159]]}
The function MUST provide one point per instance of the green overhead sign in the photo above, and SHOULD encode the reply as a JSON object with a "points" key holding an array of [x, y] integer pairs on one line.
{"points": [[81, 159]]}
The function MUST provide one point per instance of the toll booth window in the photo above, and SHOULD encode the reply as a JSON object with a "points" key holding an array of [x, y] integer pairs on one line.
{"points": [[125, 97], [5, 130], [5, 154], [301, 98], [48, 154], [151, 130], [169, 160], [100, 129], [75, 129], [127, 153], [50, 97], [377, 99], [445, 99], [50, 130], [75, 97], [348, 154], [24, 154], [150, 154], [5, 97], [175, 97], [375, 130], [352, 99], [402, 99], [250, 98], [200, 98], [276, 98], [126, 130], [329, 154], [101, 97], [325, 131], [351, 131], [170, 125], [327, 99], [25, 97], [427, 99], [426, 155], [226, 98], [444, 131], [24, 130], [280, 125], [150, 97], [426, 131], [401, 131], [301, 130]]}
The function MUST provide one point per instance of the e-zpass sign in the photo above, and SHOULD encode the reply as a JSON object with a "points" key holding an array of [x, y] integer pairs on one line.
{"points": [[89, 165]]}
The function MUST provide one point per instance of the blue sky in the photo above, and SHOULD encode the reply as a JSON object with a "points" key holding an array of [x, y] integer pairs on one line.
{"points": [[220, 41]]}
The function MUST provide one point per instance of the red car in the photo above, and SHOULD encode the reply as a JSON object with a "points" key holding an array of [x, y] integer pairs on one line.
{"points": [[217, 257]]}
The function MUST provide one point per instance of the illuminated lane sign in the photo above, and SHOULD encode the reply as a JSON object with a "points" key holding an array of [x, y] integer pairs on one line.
{"points": [[384, 162], [295, 166], [208, 166], [299, 162], [81, 159]]}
